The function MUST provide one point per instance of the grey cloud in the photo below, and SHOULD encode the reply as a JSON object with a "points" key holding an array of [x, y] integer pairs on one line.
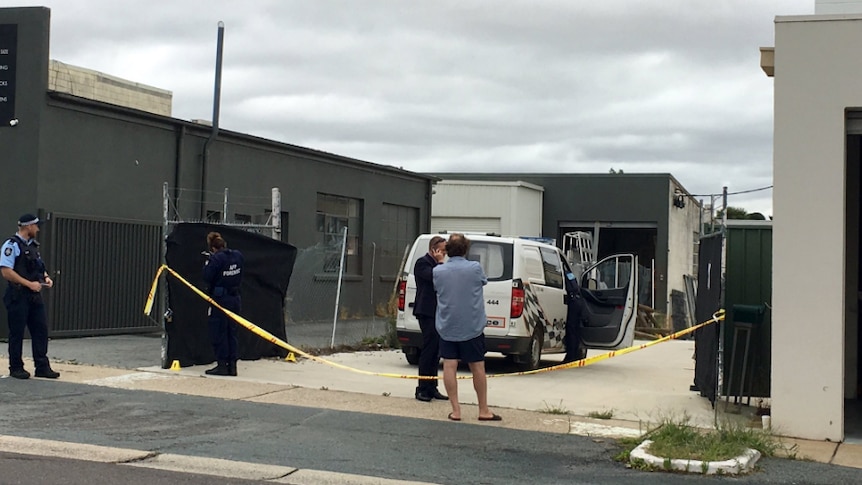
{"points": [[509, 85]]}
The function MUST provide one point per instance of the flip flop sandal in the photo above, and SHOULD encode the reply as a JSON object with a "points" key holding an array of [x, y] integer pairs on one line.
{"points": [[493, 417], [454, 419]]}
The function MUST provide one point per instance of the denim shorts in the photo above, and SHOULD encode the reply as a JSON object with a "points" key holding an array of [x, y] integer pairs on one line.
{"points": [[469, 351]]}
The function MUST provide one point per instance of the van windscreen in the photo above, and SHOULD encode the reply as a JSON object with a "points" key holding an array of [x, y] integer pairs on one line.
{"points": [[495, 258]]}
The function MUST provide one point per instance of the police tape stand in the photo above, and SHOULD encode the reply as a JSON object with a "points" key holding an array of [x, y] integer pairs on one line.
{"points": [[171, 216]]}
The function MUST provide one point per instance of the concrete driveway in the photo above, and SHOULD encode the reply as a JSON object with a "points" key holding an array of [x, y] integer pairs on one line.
{"points": [[642, 386]]}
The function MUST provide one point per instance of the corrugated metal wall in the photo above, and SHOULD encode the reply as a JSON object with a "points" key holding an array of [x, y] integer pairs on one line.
{"points": [[102, 272], [749, 282]]}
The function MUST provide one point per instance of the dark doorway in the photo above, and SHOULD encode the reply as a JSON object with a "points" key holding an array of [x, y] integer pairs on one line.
{"points": [[640, 241], [853, 232]]}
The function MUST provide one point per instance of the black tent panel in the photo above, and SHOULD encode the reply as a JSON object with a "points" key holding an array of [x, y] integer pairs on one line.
{"points": [[266, 274]]}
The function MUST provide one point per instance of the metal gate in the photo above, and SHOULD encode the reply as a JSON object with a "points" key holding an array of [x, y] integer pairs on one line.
{"points": [[102, 271]]}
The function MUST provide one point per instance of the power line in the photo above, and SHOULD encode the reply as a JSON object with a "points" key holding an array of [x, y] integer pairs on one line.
{"points": [[734, 193]]}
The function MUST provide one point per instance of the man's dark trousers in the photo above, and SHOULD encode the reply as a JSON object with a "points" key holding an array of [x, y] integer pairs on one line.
{"points": [[429, 356], [26, 310]]}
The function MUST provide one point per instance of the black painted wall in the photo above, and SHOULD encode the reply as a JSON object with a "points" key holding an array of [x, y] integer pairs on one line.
{"points": [[80, 157], [632, 198], [19, 145]]}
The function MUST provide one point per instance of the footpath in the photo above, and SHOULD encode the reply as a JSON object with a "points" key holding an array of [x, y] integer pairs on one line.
{"points": [[636, 390]]}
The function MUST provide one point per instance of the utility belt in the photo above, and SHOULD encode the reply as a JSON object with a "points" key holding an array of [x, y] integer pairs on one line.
{"points": [[14, 292], [225, 291]]}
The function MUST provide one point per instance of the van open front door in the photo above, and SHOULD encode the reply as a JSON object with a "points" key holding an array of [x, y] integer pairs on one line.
{"points": [[610, 291]]}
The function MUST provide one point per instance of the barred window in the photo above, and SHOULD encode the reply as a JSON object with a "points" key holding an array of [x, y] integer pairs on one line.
{"points": [[334, 213]]}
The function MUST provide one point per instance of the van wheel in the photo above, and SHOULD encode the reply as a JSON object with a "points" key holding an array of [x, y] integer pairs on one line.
{"points": [[534, 358], [412, 355]]}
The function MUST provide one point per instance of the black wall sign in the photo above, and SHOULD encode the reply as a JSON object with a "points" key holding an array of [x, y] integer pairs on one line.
{"points": [[8, 53]]}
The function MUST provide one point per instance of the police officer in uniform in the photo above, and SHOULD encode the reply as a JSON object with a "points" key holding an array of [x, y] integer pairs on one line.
{"points": [[223, 276], [21, 265], [575, 316]]}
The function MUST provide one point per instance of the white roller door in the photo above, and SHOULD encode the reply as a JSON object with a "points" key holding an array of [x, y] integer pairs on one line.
{"points": [[466, 224]]}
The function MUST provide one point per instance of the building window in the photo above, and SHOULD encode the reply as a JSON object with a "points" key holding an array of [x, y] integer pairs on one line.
{"points": [[334, 213], [400, 226]]}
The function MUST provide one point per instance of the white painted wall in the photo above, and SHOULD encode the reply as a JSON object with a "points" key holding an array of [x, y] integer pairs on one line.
{"points": [[816, 77], [682, 233], [517, 206], [825, 7]]}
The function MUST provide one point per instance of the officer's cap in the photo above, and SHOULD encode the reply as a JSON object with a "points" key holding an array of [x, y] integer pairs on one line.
{"points": [[28, 219]]}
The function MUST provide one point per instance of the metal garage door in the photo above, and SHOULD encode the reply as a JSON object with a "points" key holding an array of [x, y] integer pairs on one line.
{"points": [[102, 270], [466, 224]]}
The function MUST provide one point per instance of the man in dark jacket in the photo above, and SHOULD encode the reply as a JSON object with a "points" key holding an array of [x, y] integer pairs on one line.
{"points": [[425, 309]]}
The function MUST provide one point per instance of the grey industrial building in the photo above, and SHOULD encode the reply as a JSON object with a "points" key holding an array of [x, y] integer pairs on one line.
{"points": [[92, 153], [650, 215], [96, 170]]}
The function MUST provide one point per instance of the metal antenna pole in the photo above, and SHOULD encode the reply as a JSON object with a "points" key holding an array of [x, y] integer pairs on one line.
{"points": [[163, 301], [723, 324], [216, 107], [276, 213], [338, 291], [224, 208]]}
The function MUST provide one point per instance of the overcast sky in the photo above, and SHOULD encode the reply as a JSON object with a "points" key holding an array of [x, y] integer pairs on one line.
{"points": [[571, 86]]}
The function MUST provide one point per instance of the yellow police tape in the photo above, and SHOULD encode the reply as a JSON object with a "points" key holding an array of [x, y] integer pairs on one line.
{"points": [[718, 316]]}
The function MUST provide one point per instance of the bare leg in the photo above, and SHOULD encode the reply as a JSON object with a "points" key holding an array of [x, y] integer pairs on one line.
{"points": [[450, 381], [480, 384]]}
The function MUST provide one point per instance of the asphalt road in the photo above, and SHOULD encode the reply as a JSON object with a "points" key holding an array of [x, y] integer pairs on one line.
{"points": [[29, 470], [346, 442]]}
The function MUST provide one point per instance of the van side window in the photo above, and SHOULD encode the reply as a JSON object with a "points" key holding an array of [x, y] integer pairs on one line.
{"points": [[533, 264], [495, 259], [552, 267]]}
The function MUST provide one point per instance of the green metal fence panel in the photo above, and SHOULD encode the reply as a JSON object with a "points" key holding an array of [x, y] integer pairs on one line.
{"points": [[748, 284], [102, 271]]}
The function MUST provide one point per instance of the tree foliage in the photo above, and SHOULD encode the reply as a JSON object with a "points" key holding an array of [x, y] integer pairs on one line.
{"points": [[740, 213]]}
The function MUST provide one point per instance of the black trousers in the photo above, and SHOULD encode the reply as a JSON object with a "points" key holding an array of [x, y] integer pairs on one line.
{"points": [[223, 329], [429, 355], [25, 309]]}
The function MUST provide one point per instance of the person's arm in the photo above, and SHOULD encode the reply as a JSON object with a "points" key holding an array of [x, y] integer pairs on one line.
{"points": [[212, 269], [481, 274], [47, 282], [11, 276], [423, 270]]}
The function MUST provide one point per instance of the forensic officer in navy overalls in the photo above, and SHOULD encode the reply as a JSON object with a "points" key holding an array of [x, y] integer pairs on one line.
{"points": [[575, 315], [22, 267], [223, 276]]}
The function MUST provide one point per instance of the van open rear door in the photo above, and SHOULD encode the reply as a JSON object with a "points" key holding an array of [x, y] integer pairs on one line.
{"points": [[610, 291]]}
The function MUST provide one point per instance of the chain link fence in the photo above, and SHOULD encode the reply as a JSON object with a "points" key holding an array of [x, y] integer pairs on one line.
{"points": [[320, 315]]}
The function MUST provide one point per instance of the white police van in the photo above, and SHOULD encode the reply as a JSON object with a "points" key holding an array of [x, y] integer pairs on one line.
{"points": [[525, 299]]}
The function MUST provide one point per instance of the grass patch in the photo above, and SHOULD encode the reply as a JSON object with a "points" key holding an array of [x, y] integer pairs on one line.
{"points": [[678, 439], [552, 409], [609, 414]]}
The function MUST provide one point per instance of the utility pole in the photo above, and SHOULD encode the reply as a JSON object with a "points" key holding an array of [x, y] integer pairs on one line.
{"points": [[216, 109]]}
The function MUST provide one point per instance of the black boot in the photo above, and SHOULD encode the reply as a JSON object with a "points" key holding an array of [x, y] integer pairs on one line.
{"points": [[221, 369], [231, 367], [423, 395]]}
